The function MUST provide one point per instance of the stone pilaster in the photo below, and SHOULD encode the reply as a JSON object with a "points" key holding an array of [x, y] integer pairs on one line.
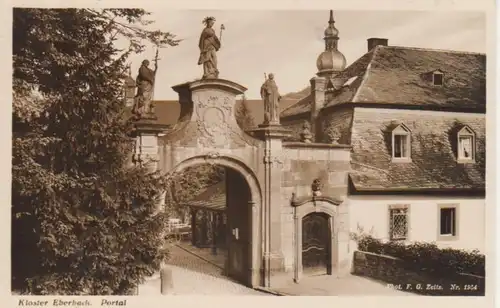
{"points": [[274, 266]]}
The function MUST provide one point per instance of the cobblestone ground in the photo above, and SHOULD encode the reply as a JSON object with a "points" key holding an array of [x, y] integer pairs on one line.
{"points": [[194, 276]]}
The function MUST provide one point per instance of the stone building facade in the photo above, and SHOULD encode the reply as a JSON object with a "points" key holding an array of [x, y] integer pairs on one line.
{"points": [[396, 149], [269, 182], [416, 121]]}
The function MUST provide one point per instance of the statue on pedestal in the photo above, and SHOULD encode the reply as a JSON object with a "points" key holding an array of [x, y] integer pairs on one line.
{"points": [[209, 44], [145, 84], [271, 97]]}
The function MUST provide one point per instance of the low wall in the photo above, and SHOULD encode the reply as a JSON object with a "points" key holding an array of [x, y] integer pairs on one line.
{"points": [[407, 277]]}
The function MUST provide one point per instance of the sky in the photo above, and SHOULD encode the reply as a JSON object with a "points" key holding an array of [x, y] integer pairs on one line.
{"points": [[287, 43]]}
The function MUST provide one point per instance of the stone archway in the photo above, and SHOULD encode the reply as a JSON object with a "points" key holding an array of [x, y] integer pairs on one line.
{"points": [[325, 211], [244, 256]]}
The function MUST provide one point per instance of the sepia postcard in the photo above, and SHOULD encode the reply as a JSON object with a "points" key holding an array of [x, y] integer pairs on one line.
{"points": [[162, 152]]}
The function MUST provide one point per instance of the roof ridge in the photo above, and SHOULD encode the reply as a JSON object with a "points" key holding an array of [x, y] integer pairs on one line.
{"points": [[432, 49], [365, 75]]}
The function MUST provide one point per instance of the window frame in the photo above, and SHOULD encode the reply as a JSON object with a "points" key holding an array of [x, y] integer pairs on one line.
{"points": [[466, 131], [434, 78], [398, 207], [454, 235], [401, 130]]}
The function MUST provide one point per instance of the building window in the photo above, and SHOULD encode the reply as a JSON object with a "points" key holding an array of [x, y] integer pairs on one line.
{"points": [[398, 222], [438, 78], [447, 221], [401, 143], [465, 145]]}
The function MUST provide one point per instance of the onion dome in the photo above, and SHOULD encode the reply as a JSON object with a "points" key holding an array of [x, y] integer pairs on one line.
{"points": [[331, 60]]}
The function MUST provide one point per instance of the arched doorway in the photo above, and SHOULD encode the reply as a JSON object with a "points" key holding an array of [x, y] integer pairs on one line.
{"points": [[316, 244], [233, 228], [316, 236]]}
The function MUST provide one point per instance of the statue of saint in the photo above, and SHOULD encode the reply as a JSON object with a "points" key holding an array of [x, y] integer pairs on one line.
{"points": [[271, 97], [145, 82], [209, 45]]}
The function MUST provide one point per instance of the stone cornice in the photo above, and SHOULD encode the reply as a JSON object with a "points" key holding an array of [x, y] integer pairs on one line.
{"points": [[222, 84], [149, 126], [271, 131], [298, 201], [315, 145]]}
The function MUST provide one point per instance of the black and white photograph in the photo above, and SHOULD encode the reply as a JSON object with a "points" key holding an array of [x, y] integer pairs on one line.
{"points": [[322, 152]]}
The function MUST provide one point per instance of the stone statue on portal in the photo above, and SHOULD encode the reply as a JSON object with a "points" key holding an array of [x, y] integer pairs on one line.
{"points": [[145, 84], [209, 45], [271, 97]]}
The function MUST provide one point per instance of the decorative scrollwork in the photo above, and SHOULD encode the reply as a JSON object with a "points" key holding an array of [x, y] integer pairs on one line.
{"points": [[211, 157], [212, 121]]}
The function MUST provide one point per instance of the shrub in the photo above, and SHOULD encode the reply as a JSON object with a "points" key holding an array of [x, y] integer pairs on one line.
{"points": [[427, 256]]}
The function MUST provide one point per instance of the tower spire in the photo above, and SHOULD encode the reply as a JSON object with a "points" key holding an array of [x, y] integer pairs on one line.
{"points": [[331, 34], [331, 60]]}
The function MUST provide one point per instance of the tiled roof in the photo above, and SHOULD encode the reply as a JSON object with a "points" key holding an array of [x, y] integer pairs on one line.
{"points": [[301, 107], [212, 198], [403, 76], [168, 111], [433, 151]]}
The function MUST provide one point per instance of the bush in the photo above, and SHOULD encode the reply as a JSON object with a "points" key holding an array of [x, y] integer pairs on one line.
{"points": [[427, 256]]}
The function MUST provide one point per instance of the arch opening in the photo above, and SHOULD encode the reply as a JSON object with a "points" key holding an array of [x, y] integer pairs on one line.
{"points": [[219, 213]]}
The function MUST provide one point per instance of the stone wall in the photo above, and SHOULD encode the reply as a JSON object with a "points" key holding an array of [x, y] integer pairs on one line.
{"points": [[302, 164], [409, 278]]}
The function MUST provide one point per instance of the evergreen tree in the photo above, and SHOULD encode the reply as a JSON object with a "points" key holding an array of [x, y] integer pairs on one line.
{"points": [[83, 220], [188, 184], [243, 116]]}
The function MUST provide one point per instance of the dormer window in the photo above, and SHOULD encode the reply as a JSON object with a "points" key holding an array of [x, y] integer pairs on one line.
{"points": [[401, 146], [437, 78], [466, 145]]}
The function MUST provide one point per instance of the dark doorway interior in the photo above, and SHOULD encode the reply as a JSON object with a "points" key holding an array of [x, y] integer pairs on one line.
{"points": [[218, 229]]}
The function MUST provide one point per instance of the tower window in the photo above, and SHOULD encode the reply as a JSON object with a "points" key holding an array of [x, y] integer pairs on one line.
{"points": [[438, 78]]}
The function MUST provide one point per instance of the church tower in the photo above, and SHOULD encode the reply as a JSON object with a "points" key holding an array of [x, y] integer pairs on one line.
{"points": [[329, 63]]}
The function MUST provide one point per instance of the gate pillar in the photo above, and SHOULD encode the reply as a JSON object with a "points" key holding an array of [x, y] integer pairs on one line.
{"points": [[146, 132], [274, 267]]}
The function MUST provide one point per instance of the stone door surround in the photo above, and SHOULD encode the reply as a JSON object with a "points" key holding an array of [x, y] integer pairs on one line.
{"points": [[305, 206]]}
